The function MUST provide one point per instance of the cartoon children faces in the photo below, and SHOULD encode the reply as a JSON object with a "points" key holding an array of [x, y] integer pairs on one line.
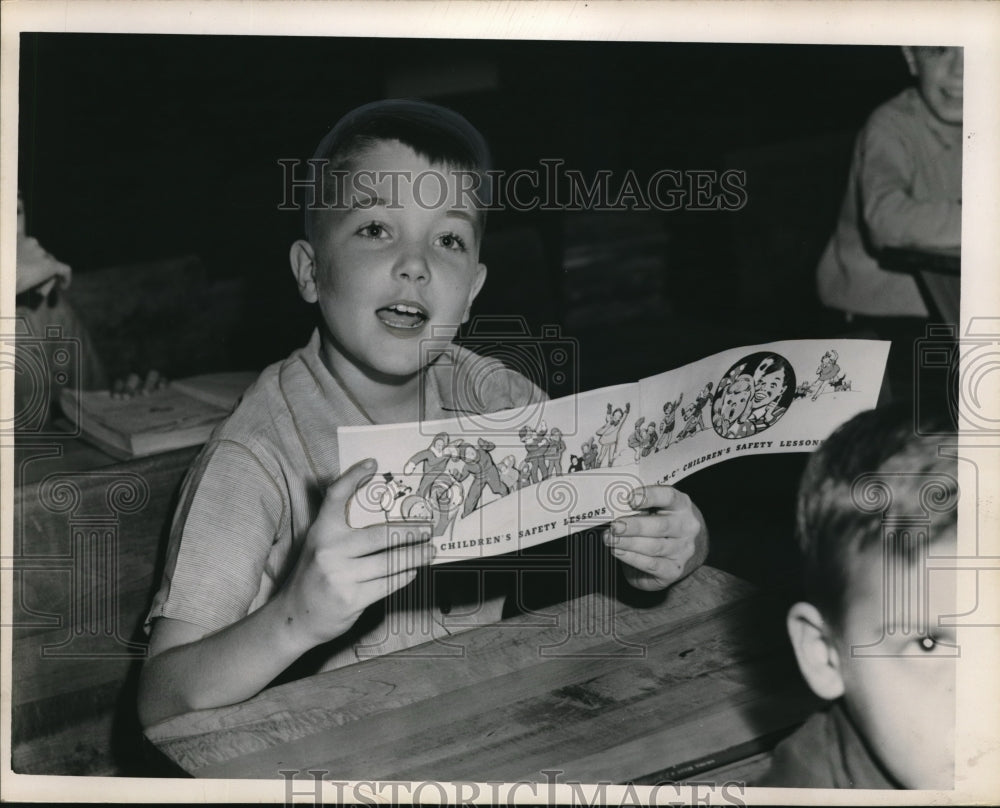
{"points": [[753, 395]]}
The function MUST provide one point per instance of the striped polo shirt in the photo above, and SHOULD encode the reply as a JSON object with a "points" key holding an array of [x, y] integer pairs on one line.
{"points": [[250, 497]]}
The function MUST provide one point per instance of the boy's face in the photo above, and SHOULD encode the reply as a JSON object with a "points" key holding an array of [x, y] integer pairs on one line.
{"points": [[734, 402], [939, 74], [769, 388], [398, 265], [903, 699]]}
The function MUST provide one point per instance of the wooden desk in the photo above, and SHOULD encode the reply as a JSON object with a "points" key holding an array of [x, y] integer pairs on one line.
{"points": [[604, 691], [937, 273], [89, 534]]}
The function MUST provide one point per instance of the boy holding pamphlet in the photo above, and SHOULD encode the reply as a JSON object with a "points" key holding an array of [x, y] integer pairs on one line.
{"points": [[262, 566]]}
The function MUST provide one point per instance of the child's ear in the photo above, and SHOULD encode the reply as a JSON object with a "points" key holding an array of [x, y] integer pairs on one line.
{"points": [[477, 284], [911, 60], [303, 261], [815, 651]]}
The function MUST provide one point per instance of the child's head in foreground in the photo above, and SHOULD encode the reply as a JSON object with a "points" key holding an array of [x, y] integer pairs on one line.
{"points": [[938, 72], [392, 253], [858, 639]]}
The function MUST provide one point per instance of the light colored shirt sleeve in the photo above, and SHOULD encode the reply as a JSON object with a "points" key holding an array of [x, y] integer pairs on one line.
{"points": [[894, 212], [230, 515]]}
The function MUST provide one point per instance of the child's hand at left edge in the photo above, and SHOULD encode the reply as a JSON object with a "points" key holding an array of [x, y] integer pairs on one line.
{"points": [[661, 544]]}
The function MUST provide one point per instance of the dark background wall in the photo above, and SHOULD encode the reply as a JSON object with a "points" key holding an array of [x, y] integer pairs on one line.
{"points": [[135, 148]]}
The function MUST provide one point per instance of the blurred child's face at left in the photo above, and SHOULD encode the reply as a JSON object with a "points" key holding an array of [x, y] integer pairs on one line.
{"points": [[939, 74], [901, 695], [396, 264]]}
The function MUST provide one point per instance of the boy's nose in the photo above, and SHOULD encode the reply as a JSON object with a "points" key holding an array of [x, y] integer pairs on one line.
{"points": [[412, 265]]}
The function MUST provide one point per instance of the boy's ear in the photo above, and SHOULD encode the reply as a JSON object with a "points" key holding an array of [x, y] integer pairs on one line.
{"points": [[815, 651], [477, 284], [911, 60], [303, 261]]}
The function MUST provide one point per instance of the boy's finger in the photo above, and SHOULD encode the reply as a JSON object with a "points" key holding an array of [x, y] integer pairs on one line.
{"points": [[365, 541], [676, 549], [151, 382], [662, 524], [333, 512], [63, 272], [645, 563], [376, 590], [393, 562], [664, 497]]}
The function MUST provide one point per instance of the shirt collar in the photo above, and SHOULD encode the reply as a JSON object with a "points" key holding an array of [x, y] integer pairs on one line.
{"points": [[319, 403]]}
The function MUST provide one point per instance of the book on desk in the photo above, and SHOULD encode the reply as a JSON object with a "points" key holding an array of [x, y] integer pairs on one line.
{"points": [[182, 414]]}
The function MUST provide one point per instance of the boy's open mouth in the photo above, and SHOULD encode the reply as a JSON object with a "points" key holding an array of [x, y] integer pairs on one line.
{"points": [[402, 315]]}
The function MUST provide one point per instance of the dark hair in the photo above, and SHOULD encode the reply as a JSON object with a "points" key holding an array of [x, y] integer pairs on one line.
{"points": [[874, 462], [438, 134]]}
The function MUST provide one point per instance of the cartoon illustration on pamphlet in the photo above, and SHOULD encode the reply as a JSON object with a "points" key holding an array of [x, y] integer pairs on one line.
{"points": [[445, 467], [753, 395], [554, 450], [667, 423], [416, 508], [649, 437], [641, 441], [439, 506], [607, 435], [828, 374], [732, 406], [434, 459], [535, 445], [509, 473], [479, 465], [491, 487], [444, 500], [524, 475], [394, 489], [635, 440], [692, 416]]}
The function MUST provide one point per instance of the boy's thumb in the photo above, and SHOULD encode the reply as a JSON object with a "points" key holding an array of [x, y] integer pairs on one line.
{"points": [[341, 490]]}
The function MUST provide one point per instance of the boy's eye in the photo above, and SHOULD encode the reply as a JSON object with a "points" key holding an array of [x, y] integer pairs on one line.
{"points": [[372, 230], [450, 241]]}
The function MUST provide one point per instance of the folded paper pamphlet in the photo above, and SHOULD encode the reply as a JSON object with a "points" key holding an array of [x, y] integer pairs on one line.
{"points": [[493, 483]]}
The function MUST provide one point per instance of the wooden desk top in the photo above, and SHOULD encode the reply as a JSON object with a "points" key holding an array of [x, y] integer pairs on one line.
{"points": [[37, 457], [595, 688]]}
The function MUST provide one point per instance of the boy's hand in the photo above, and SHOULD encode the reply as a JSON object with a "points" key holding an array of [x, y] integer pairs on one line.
{"points": [[663, 543], [134, 385], [342, 570]]}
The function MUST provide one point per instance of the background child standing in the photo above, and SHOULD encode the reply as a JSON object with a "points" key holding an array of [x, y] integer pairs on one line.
{"points": [[904, 190]]}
